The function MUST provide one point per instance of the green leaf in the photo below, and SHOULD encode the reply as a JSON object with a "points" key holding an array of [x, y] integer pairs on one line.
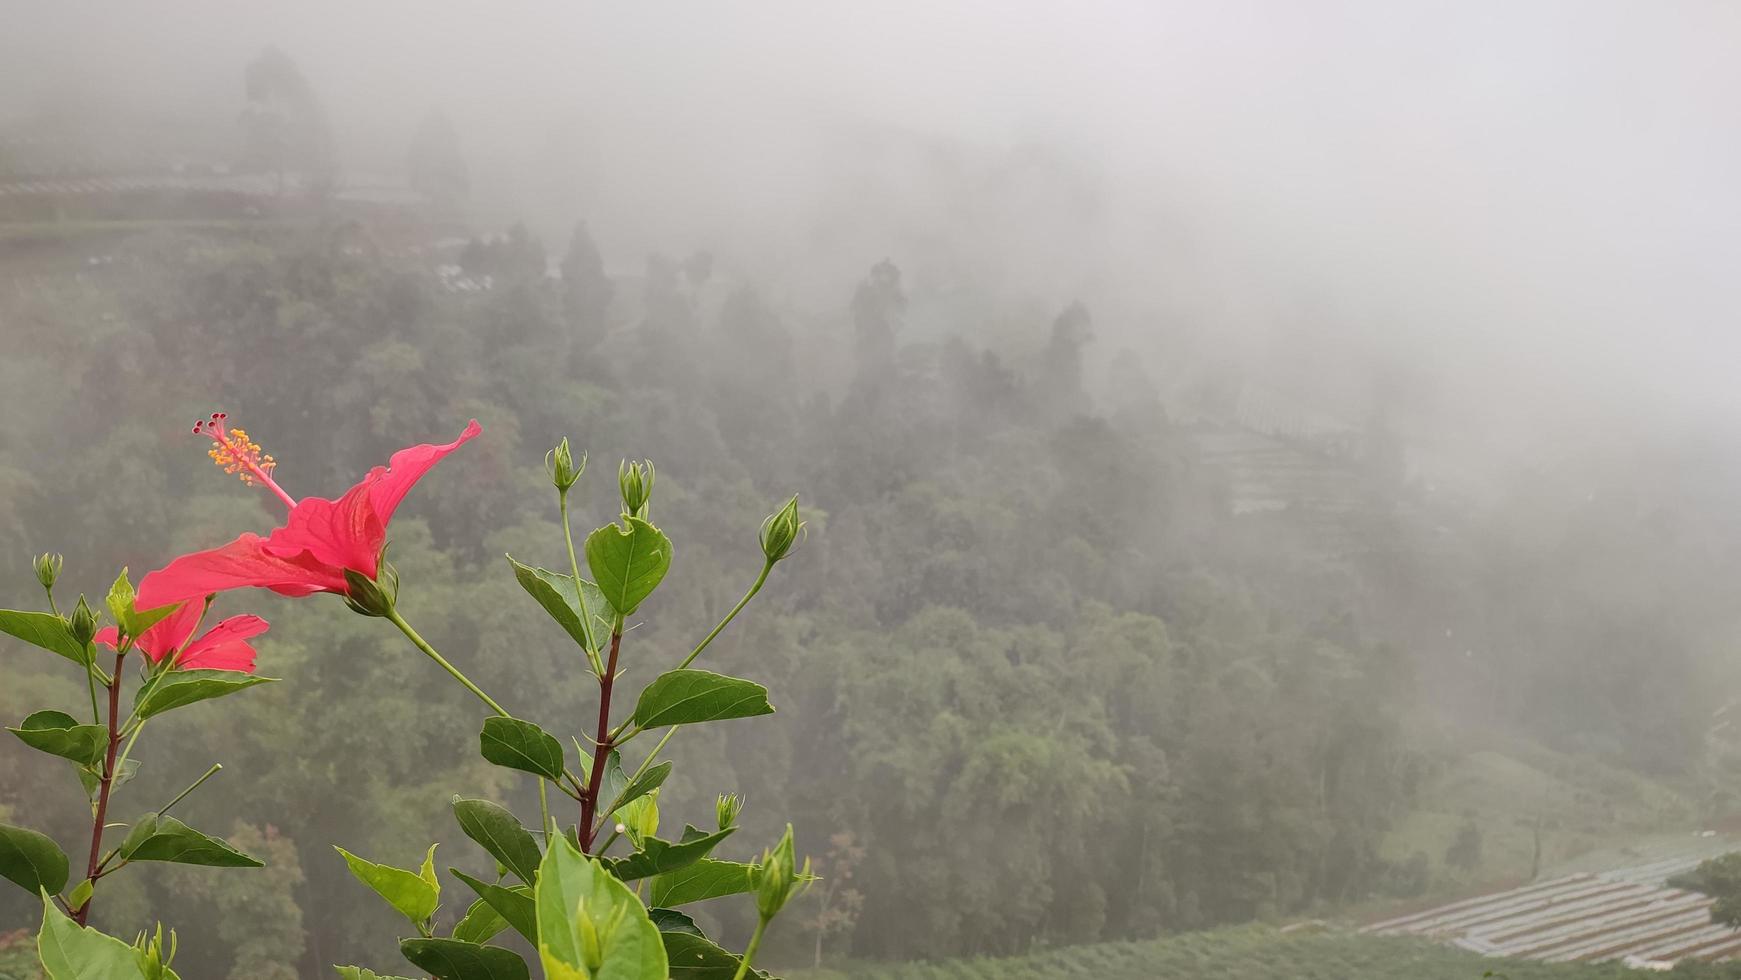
{"points": [[662, 857], [31, 860], [497, 832], [480, 923], [414, 895], [615, 780], [705, 879], [80, 894], [159, 838], [521, 745], [70, 951], [671, 920], [45, 630], [628, 564], [178, 688], [132, 620], [451, 959], [358, 973], [58, 733], [560, 598], [572, 888], [688, 697], [646, 783], [514, 905], [695, 957]]}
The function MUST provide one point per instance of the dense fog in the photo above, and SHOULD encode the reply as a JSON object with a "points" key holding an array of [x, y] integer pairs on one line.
{"points": [[1264, 462]]}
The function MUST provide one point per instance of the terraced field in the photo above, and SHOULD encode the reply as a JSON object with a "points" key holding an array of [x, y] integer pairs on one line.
{"points": [[1257, 953], [1628, 915]]}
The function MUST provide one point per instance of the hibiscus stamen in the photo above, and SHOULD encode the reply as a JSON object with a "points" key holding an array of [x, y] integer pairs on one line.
{"points": [[239, 456]]}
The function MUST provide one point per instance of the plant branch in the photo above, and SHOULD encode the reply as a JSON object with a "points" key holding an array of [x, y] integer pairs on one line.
{"points": [[429, 651], [750, 951], [751, 594], [601, 752], [213, 771], [107, 783]]}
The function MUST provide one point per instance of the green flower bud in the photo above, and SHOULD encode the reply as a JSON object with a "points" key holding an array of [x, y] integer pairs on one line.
{"points": [[780, 531], [83, 622], [639, 818], [727, 809], [635, 479], [372, 597], [780, 880], [47, 568], [154, 957], [559, 462]]}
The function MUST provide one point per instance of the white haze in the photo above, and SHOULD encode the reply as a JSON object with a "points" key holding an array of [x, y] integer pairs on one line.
{"points": [[1524, 215]]}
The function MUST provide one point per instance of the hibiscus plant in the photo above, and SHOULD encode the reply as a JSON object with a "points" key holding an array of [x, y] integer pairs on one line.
{"points": [[585, 910]]}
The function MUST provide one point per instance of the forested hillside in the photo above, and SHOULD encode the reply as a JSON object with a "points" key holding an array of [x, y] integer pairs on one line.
{"points": [[1200, 713]]}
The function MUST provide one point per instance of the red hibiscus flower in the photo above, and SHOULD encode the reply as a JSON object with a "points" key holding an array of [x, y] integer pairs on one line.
{"points": [[223, 647], [321, 539]]}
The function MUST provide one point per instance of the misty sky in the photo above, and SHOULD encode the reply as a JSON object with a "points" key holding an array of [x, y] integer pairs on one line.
{"points": [[1533, 203]]}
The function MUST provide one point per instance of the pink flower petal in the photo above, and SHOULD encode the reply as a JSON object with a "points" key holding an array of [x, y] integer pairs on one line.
{"points": [[243, 563], [224, 646], [388, 487]]}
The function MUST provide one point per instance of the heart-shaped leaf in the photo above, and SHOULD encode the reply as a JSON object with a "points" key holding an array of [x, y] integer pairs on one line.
{"points": [[628, 563]]}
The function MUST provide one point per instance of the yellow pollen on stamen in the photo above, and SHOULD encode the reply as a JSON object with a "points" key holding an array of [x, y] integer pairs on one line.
{"points": [[240, 456]]}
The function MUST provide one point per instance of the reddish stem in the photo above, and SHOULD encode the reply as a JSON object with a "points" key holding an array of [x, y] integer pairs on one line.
{"points": [[93, 869], [602, 752]]}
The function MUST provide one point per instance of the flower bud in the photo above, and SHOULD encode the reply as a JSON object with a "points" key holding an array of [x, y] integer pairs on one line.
{"points": [[153, 955], [559, 462], [780, 531], [727, 809], [47, 568], [780, 880], [640, 817], [635, 479], [83, 622], [372, 597]]}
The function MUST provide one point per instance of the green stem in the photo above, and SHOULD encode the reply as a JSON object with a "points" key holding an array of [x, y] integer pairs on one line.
{"points": [[648, 761], [134, 737], [430, 652], [751, 594], [544, 806], [216, 766], [750, 951], [592, 657]]}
